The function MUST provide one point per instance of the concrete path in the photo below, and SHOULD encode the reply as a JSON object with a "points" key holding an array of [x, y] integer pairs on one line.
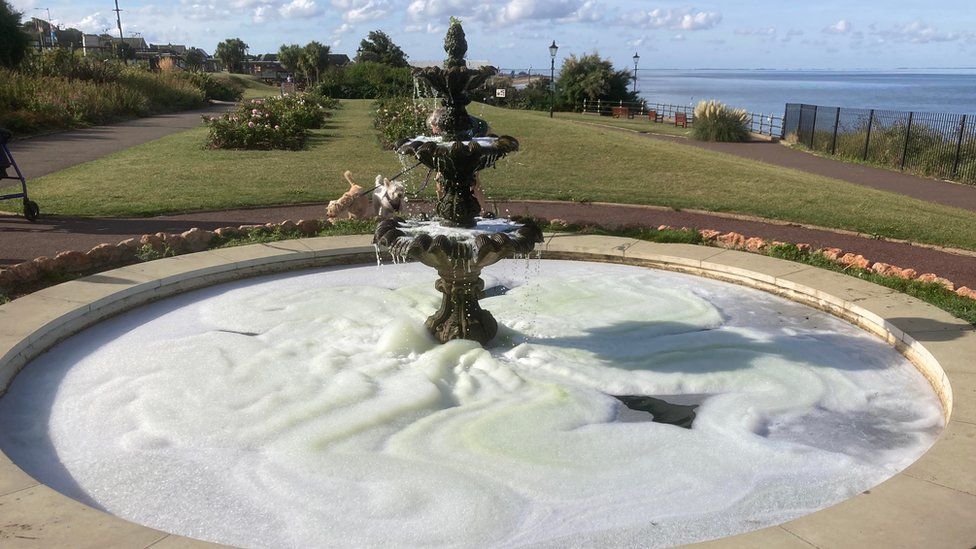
{"points": [[931, 190], [39, 156], [22, 241]]}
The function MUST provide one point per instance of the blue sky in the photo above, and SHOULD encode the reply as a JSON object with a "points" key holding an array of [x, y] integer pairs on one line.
{"points": [[516, 33]]}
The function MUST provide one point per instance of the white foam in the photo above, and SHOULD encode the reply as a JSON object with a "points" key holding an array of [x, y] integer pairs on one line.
{"points": [[315, 410], [483, 141]]}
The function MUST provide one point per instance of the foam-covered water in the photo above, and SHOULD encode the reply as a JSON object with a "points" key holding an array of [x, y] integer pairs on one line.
{"points": [[483, 141], [314, 410]]}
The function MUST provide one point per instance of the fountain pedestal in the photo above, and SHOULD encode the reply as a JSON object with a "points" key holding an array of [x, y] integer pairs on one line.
{"points": [[460, 316]]}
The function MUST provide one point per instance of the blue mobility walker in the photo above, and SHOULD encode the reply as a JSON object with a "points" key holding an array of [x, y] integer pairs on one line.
{"points": [[31, 210]]}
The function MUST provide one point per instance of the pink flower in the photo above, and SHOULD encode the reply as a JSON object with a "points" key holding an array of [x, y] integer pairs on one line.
{"points": [[250, 124], [277, 127], [254, 111]]}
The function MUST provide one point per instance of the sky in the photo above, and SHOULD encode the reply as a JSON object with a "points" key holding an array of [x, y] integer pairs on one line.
{"points": [[515, 34]]}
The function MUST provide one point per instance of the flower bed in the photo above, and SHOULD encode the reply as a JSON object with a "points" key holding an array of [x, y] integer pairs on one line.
{"points": [[400, 118], [268, 124]]}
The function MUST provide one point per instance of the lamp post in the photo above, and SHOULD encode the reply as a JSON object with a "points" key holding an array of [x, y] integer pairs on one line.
{"points": [[359, 54], [552, 77], [636, 59], [50, 28]]}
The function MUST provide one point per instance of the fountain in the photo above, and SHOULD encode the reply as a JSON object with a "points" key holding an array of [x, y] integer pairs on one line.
{"points": [[457, 153], [618, 406]]}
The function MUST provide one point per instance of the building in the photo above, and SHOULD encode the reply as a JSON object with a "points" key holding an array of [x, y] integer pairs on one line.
{"points": [[43, 34], [268, 68], [106, 43], [472, 64]]}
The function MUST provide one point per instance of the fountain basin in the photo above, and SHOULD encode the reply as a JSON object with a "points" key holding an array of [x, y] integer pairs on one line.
{"points": [[862, 302]]}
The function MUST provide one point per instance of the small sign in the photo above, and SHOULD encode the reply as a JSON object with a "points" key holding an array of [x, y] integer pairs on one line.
{"points": [[500, 92]]}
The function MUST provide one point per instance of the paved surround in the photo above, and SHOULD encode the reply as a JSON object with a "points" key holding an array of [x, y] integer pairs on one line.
{"points": [[931, 504]]}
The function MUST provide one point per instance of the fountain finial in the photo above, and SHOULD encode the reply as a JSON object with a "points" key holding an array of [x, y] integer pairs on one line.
{"points": [[455, 44]]}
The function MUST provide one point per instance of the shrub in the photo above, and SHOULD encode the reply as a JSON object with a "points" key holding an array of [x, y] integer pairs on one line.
{"points": [[218, 90], [400, 118], [266, 124], [366, 80], [30, 103], [714, 121]]}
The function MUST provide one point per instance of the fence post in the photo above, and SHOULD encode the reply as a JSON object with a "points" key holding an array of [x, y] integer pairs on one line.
{"points": [[599, 106], [584, 105], [962, 130], [833, 143], [908, 133], [760, 122], [813, 130], [867, 140], [799, 125]]}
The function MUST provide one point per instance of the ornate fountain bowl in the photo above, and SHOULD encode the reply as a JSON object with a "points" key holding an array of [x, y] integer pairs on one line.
{"points": [[458, 158], [459, 256]]}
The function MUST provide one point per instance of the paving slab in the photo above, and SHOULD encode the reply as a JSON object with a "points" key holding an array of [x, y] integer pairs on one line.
{"points": [[902, 512], [40, 517]]}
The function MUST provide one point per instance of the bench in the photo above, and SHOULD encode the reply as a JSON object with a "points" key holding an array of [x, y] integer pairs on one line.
{"points": [[655, 116], [620, 112], [681, 119]]}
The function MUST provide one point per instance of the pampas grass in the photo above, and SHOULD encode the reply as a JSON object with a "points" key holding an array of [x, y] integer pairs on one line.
{"points": [[717, 122]]}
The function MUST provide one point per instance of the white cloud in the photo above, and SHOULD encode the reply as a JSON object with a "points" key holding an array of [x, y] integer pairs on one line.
{"points": [[841, 27], [359, 11], [263, 14], [504, 12], [687, 19], [203, 11], [790, 34], [515, 11], [768, 31], [916, 32], [299, 8], [95, 23], [678, 38]]}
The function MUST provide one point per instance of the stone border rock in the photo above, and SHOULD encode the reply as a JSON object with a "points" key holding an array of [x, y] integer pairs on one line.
{"points": [[31, 273], [931, 504]]}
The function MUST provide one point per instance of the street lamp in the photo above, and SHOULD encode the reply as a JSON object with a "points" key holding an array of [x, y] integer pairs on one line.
{"points": [[552, 77], [636, 59], [50, 27]]}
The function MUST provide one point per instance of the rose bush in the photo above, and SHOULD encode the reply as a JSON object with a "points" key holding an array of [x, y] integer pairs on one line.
{"points": [[266, 124], [400, 118]]}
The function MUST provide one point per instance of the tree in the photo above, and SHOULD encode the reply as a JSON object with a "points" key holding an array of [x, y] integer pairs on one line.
{"points": [[592, 78], [195, 59], [124, 51], [232, 53], [379, 48], [290, 57], [14, 44], [314, 60]]}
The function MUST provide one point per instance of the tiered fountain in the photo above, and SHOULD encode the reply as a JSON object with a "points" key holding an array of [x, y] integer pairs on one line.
{"points": [[457, 154]]}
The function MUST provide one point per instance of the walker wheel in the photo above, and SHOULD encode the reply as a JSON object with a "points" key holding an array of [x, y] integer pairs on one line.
{"points": [[31, 210]]}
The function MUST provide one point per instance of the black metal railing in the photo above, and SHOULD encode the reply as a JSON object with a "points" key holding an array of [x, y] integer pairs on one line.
{"points": [[760, 123], [933, 144]]}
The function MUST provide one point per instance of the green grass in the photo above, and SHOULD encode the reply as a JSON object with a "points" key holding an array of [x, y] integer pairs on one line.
{"points": [[253, 88], [561, 159], [636, 124]]}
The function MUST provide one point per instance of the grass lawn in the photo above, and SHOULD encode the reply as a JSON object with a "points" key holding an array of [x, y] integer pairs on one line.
{"points": [[561, 160], [637, 124]]}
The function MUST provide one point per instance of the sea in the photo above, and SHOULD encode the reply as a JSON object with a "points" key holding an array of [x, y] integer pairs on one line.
{"points": [[768, 91]]}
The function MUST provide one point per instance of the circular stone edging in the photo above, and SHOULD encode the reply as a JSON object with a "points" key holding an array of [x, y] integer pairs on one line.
{"points": [[931, 503]]}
